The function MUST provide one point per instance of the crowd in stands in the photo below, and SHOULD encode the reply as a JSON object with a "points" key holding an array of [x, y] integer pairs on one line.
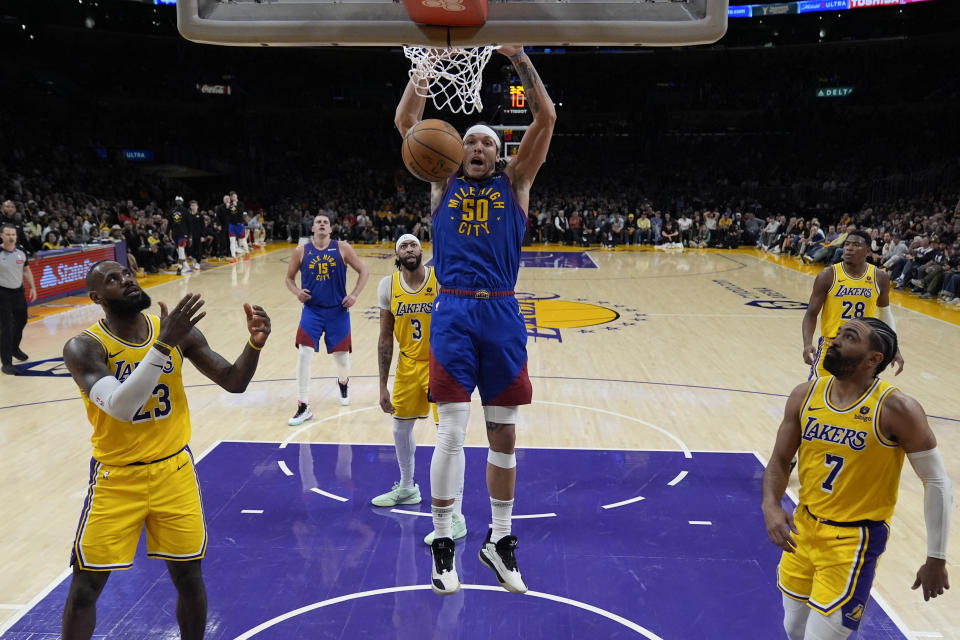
{"points": [[702, 149]]}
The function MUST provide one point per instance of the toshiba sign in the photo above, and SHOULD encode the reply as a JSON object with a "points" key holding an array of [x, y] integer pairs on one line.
{"points": [[863, 4]]}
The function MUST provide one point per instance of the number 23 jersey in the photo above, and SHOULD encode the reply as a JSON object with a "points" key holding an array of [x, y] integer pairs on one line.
{"points": [[161, 427]]}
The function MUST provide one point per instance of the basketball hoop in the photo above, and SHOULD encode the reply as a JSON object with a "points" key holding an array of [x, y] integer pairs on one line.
{"points": [[451, 78]]}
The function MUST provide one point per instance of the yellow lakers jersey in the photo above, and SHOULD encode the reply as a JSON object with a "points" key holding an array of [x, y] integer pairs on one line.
{"points": [[848, 298], [848, 470], [411, 311], [161, 427]]}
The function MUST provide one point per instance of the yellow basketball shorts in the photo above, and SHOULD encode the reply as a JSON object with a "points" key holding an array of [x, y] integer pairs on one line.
{"points": [[833, 567], [410, 400], [162, 496]]}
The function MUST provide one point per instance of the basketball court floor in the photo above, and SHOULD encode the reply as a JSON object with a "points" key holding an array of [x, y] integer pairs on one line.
{"points": [[659, 381]]}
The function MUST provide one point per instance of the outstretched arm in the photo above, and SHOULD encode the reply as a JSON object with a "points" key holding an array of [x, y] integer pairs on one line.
{"points": [[351, 258], [409, 109], [536, 141], [777, 474], [903, 420], [820, 286], [231, 377]]}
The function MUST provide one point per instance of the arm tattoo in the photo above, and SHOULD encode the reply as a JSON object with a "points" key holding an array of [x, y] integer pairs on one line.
{"points": [[385, 356], [532, 84]]}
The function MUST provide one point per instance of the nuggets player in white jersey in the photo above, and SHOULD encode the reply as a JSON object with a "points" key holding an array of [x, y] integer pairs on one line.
{"points": [[406, 300], [478, 339], [850, 431], [129, 370], [844, 291]]}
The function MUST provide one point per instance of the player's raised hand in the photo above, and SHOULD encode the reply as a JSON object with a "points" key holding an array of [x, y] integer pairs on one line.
{"points": [[258, 323], [177, 324], [510, 49], [779, 527], [303, 295], [898, 361], [932, 576]]}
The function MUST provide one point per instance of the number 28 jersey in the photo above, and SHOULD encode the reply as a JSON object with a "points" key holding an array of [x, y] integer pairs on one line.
{"points": [[848, 298], [161, 427], [848, 470]]}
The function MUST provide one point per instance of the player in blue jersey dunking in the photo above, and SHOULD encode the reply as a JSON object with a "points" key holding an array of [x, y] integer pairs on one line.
{"points": [[322, 265], [478, 338]]}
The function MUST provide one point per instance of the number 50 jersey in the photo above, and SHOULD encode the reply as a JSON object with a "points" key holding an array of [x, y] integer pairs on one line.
{"points": [[161, 427]]}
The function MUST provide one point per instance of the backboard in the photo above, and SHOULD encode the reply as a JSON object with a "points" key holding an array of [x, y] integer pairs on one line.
{"points": [[386, 22]]}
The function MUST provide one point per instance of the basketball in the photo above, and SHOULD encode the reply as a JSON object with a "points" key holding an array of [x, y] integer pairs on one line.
{"points": [[432, 150]]}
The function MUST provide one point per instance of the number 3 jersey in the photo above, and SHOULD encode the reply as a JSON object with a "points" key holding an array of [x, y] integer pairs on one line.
{"points": [[411, 312], [161, 427], [848, 470], [848, 298]]}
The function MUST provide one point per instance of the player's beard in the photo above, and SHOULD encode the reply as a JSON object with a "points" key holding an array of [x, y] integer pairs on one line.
{"points": [[128, 306], [412, 263], [839, 366]]}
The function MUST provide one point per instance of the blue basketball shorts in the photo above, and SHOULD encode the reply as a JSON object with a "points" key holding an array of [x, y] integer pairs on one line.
{"points": [[478, 344], [333, 323], [237, 230]]}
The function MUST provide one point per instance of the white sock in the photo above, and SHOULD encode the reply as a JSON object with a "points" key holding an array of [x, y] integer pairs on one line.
{"points": [[406, 447], [500, 510], [458, 501], [342, 360], [233, 247], [304, 355], [181, 254], [244, 246], [442, 525]]}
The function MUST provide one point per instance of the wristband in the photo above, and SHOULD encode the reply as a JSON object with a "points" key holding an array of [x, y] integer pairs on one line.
{"points": [[163, 345], [517, 55], [253, 346]]}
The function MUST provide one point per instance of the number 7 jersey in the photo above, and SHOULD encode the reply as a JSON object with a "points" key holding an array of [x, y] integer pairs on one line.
{"points": [[848, 298], [161, 427], [848, 470]]}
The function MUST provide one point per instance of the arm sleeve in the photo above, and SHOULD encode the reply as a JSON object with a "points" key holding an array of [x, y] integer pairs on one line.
{"points": [[122, 400], [886, 314], [937, 499], [383, 293]]}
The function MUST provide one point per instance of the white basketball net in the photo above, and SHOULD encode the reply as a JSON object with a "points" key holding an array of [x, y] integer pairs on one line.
{"points": [[449, 77]]}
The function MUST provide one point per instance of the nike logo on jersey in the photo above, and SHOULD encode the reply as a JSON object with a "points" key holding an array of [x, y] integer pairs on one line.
{"points": [[398, 295], [814, 408], [839, 537], [185, 464], [114, 355]]}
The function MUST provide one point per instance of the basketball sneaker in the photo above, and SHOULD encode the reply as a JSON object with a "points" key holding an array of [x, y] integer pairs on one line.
{"points": [[500, 557], [398, 495], [344, 392], [20, 355], [443, 574], [302, 415], [458, 529]]}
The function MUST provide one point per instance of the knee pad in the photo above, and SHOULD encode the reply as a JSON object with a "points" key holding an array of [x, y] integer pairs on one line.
{"points": [[795, 618], [453, 426], [502, 460], [501, 415]]}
